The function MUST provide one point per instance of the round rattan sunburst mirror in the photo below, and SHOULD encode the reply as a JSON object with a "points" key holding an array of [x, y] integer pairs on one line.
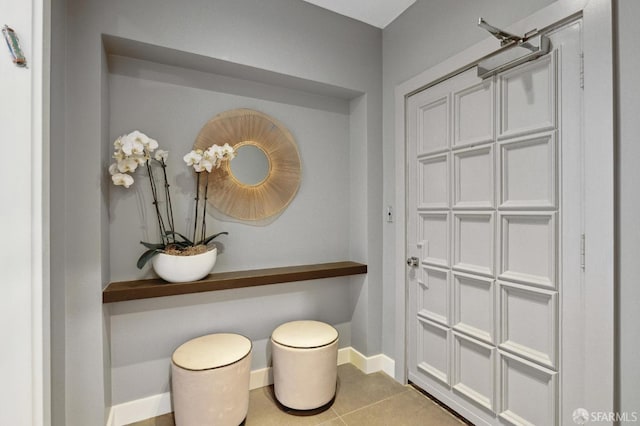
{"points": [[256, 201]]}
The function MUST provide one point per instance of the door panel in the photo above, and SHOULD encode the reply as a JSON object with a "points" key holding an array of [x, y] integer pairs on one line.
{"points": [[485, 218], [433, 350], [474, 242], [434, 137], [433, 295], [473, 112], [528, 172], [520, 307], [528, 97], [473, 181], [434, 170], [435, 248], [528, 248], [473, 306], [529, 393], [474, 371]]}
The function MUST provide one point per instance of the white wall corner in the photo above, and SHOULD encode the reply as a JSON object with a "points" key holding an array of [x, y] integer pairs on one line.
{"points": [[261, 378], [372, 364], [157, 405], [344, 355]]}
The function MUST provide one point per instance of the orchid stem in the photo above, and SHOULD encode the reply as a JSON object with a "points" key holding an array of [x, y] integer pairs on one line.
{"points": [[204, 209], [154, 192], [195, 219], [168, 199]]}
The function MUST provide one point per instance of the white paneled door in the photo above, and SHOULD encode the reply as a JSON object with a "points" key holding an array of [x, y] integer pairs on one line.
{"points": [[494, 219]]}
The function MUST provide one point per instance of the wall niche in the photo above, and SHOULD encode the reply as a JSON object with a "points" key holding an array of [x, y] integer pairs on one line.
{"points": [[169, 95]]}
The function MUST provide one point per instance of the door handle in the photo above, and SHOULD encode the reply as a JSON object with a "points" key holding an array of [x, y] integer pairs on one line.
{"points": [[413, 261]]}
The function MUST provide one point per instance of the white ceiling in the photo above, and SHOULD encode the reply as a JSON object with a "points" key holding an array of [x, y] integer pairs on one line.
{"points": [[378, 13]]}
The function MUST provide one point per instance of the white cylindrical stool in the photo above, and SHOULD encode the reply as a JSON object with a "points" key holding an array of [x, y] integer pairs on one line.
{"points": [[210, 380], [305, 359]]}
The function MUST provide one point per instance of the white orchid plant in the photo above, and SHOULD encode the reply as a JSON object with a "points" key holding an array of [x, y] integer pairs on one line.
{"points": [[135, 150]]}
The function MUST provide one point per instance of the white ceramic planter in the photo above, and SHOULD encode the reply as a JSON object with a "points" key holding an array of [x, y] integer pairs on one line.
{"points": [[181, 269]]}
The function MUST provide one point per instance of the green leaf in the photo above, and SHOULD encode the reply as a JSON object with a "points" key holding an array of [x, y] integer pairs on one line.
{"points": [[152, 246], [183, 237], [182, 244], [210, 238], [146, 256]]}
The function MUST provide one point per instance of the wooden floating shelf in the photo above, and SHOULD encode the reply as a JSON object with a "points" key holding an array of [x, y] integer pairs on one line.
{"points": [[145, 289]]}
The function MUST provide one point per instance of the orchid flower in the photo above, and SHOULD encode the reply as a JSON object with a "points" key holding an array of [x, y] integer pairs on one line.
{"points": [[193, 158], [215, 151], [117, 144], [122, 179], [228, 152], [161, 155], [132, 147], [140, 159], [138, 136], [205, 161], [127, 165], [151, 145], [206, 164], [137, 149], [118, 155]]}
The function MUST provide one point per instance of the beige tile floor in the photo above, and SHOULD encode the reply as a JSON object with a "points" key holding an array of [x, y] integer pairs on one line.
{"points": [[361, 399]]}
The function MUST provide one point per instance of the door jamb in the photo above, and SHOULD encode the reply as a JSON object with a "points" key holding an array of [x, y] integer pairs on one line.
{"points": [[599, 187]]}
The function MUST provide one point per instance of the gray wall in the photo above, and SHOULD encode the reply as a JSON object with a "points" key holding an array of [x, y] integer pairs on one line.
{"points": [[628, 175], [427, 33], [283, 36], [313, 229]]}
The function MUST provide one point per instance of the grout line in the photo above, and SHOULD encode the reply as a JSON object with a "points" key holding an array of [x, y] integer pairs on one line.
{"points": [[336, 413], [342, 420], [374, 403]]}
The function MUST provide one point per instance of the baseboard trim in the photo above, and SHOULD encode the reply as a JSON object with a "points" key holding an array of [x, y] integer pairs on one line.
{"points": [[157, 405], [140, 409], [372, 364], [260, 378]]}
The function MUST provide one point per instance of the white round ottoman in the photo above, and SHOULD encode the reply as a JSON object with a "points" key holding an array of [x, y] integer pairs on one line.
{"points": [[210, 380], [305, 358]]}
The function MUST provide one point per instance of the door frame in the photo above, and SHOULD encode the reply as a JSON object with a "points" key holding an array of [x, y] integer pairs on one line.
{"points": [[598, 134], [25, 121]]}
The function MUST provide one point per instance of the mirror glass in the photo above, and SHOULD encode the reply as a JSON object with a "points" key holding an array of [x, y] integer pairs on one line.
{"points": [[250, 166]]}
